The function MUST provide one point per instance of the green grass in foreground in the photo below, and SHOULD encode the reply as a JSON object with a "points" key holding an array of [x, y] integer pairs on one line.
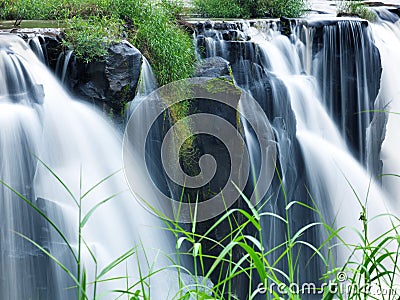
{"points": [[379, 265]]}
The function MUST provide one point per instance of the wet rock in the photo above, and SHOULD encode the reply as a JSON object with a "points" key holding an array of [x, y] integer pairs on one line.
{"points": [[213, 67], [208, 25], [221, 26], [53, 46], [111, 82]]}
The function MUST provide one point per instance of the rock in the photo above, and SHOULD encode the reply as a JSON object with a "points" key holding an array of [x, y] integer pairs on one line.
{"points": [[111, 82], [213, 67], [53, 46], [208, 25]]}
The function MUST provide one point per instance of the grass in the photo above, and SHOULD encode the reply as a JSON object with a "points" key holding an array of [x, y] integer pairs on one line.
{"points": [[78, 275], [219, 9]]}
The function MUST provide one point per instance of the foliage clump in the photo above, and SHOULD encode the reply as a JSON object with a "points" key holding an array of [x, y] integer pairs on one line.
{"points": [[90, 37], [355, 8], [219, 9], [287, 8]]}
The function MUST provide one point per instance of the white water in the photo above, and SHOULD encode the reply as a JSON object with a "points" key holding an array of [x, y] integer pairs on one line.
{"points": [[332, 170], [75, 141], [37, 48], [387, 39], [147, 84]]}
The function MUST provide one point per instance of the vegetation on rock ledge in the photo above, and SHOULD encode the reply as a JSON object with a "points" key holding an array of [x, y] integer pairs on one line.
{"points": [[355, 8], [92, 25]]}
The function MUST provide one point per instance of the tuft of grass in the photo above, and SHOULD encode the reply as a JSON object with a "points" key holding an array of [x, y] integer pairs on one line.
{"points": [[355, 8], [379, 266], [169, 49]]}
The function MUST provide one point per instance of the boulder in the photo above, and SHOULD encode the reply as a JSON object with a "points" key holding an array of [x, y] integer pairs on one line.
{"points": [[111, 82]]}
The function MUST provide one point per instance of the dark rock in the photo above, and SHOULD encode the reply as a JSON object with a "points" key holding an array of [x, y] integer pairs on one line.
{"points": [[188, 27], [226, 35], [199, 25], [234, 34], [213, 67], [395, 11], [210, 33], [346, 14], [111, 82], [221, 26], [53, 46]]}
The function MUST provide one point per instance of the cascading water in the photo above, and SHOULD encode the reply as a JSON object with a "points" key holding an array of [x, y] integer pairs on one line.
{"points": [[36, 45], [63, 64], [39, 118], [318, 87], [387, 37], [147, 84]]}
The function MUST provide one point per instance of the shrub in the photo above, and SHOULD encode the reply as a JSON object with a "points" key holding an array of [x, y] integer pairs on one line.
{"points": [[90, 38], [289, 8], [219, 9]]}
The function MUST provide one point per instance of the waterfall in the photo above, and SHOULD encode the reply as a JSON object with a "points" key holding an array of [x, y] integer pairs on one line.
{"points": [[36, 45], [38, 118], [387, 38], [63, 64], [147, 84], [317, 80]]}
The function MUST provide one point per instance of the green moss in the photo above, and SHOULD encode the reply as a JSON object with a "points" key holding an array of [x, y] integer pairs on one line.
{"points": [[222, 85]]}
